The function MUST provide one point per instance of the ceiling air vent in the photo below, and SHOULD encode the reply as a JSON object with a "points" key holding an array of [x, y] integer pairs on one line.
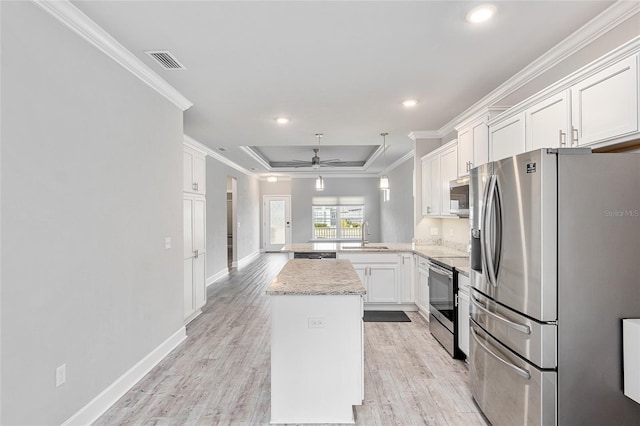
{"points": [[166, 60]]}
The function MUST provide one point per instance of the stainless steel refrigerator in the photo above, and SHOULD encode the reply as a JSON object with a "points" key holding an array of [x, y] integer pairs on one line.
{"points": [[555, 267]]}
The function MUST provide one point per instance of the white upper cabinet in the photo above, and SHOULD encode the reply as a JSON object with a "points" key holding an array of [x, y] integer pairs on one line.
{"points": [[507, 138], [605, 105], [548, 123], [465, 151], [473, 141], [596, 106], [194, 175], [438, 169], [448, 172], [431, 196]]}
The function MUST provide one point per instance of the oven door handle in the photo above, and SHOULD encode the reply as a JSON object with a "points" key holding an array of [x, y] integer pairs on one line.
{"points": [[440, 270], [519, 371], [525, 329]]}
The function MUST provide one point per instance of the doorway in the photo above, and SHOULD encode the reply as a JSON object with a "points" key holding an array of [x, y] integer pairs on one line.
{"points": [[277, 221], [232, 220]]}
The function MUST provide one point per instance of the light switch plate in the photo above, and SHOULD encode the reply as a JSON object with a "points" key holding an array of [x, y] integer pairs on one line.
{"points": [[167, 243]]}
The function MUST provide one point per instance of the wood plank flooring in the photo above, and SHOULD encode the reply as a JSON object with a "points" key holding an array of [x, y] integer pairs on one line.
{"points": [[221, 374]]}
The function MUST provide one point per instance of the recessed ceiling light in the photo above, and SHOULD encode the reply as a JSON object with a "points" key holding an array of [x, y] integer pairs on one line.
{"points": [[282, 120], [410, 103], [481, 13]]}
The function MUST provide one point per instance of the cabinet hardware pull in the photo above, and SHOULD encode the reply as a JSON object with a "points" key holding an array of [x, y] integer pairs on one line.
{"points": [[574, 136], [563, 139], [195, 253], [194, 186]]}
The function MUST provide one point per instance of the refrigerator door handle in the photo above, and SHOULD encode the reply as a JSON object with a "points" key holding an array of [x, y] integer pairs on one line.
{"points": [[482, 233], [519, 371], [525, 329], [488, 214]]}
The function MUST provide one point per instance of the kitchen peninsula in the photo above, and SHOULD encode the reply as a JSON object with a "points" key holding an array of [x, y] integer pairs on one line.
{"points": [[316, 342]]}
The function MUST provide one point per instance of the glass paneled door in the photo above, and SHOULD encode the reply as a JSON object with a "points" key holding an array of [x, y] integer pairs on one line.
{"points": [[277, 222]]}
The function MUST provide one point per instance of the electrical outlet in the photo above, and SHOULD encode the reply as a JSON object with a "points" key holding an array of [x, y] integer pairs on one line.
{"points": [[316, 322], [167, 243], [61, 374], [434, 231], [451, 232]]}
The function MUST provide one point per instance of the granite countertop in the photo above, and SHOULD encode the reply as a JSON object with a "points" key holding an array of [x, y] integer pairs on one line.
{"points": [[317, 277], [427, 251]]}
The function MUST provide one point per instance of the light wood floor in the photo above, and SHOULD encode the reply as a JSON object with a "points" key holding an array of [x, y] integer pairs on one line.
{"points": [[221, 373]]}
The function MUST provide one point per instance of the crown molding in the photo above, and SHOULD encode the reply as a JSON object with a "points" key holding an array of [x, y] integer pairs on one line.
{"points": [[65, 12], [607, 20], [254, 155], [194, 144], [400, 161], [308, 175], [425, 134]]}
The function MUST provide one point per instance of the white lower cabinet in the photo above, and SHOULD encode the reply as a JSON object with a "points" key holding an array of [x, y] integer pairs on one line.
{"points": [[382, 276], [194, 219], [422, 283], [407, 278], [463, 313]]}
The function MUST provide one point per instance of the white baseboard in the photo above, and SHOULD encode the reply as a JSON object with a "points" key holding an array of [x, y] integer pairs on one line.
{"points": [[218, 275], [248, 259], [101, 403]]}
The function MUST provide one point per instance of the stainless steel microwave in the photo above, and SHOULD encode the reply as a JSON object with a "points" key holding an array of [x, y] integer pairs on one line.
{"points": [[459, 197]]}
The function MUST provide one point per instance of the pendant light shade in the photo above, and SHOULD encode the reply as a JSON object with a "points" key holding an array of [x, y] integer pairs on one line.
{"points": [[319, 183], [384, 179], [384, 182]]}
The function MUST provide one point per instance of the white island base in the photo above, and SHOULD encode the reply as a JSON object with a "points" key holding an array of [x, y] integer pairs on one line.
{"points": [[316, 358]]}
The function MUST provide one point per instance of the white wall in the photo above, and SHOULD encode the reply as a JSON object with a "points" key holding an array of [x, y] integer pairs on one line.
{"points": [[303, 191], [91, 184], [248, 211], [396, 215]]}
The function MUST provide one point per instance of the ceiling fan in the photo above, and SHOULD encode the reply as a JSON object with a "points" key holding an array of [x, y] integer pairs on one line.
{"points": [[316, 162]]}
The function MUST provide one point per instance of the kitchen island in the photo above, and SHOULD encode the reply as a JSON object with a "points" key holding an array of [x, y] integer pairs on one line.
{"points": [[316, 342]]}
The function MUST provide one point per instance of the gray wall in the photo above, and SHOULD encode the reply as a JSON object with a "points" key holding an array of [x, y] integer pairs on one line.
{"points": [[248, 230], [303, 191], [396, 215], [91, 174]]}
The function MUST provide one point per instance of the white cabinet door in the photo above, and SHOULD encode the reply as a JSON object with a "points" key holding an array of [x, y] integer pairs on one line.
{"points": [[431, 192], [194, 172], [194, 251], [548, 123], [605, 105], [382, 287], [480, 136], [448, 172], [465, 151], [463, 322], [507, 138], [407, 279], [422, 284]]}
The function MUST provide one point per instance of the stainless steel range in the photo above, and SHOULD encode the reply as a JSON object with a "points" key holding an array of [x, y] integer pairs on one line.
{"points": [[554, 270]]}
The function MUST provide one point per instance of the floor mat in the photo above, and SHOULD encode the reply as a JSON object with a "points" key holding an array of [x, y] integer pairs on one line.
{"points": [[385, 316]]}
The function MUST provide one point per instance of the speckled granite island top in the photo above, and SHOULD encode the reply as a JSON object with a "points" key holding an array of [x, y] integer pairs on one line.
{"points": [[317, 277]]}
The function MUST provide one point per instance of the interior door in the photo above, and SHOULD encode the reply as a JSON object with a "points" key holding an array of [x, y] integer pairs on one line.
{"points": [[277, 222]]}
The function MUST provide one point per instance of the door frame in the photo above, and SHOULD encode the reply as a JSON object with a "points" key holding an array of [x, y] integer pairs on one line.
{"points": [[266, 217]]}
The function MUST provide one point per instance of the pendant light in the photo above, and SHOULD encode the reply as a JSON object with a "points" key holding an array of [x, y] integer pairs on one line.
{"points": [[319, 180], [384, 179]]}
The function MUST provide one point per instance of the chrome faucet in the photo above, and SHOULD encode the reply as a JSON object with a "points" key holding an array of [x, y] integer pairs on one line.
{"points": [[365, 231]]}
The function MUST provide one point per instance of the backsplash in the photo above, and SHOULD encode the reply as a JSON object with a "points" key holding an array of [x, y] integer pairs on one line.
{"points": [[435, 241], [456, 246]]}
